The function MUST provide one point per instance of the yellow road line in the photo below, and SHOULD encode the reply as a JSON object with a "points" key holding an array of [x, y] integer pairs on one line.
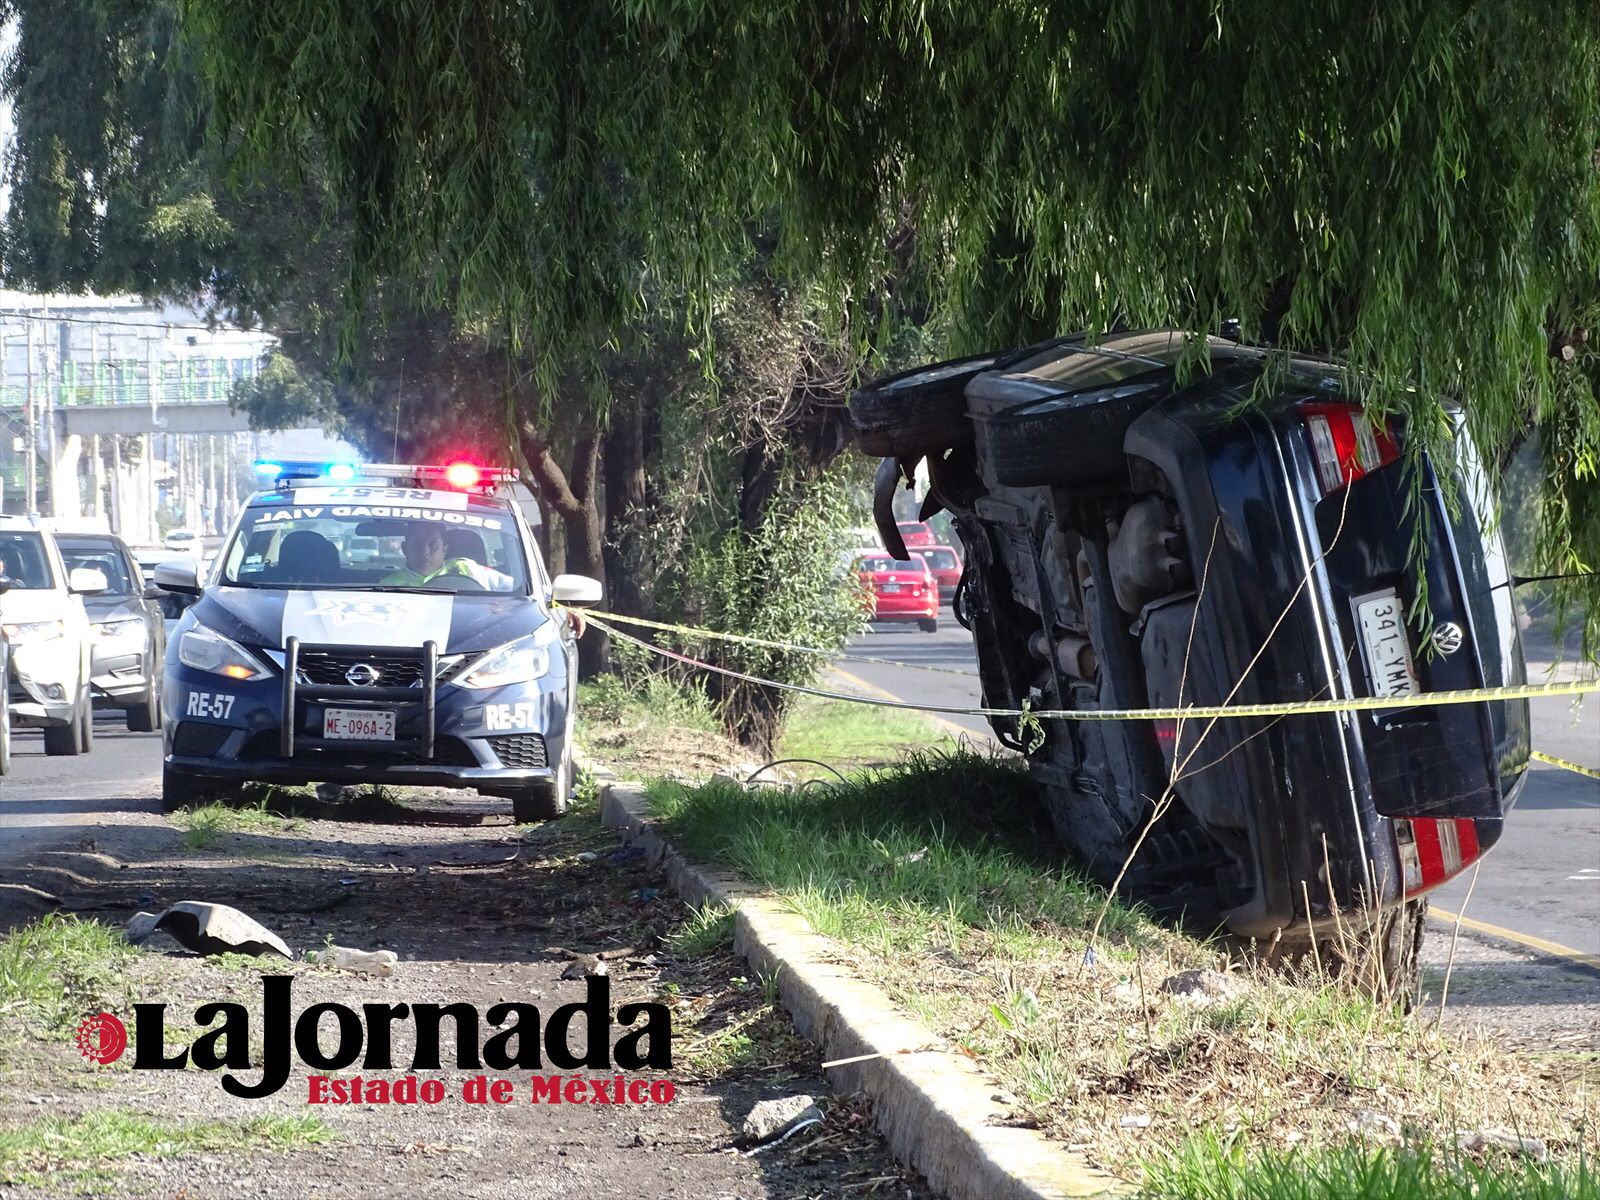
{"points": [[957, 731], [1555, 949]]}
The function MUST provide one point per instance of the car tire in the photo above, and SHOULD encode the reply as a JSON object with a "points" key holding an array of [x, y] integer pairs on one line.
{"points": [[181, 791], [86, 726], [542, 801], [1068, 440], [917, 412], [61, 741], [145, 716], [1385, 961], [929, 624]]}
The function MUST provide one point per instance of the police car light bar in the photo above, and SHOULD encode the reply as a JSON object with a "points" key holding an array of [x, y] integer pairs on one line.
{"points": [[459, 476]]}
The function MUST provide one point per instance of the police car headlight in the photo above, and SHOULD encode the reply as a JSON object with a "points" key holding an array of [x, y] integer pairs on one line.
{"points": [[515, 662], [207, 650]]}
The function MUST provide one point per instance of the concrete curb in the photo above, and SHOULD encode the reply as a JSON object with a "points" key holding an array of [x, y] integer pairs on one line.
{"points": [[932, 1104]]}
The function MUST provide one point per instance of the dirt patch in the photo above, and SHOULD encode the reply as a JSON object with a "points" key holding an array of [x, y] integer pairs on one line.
{"points": [[479, 911]]}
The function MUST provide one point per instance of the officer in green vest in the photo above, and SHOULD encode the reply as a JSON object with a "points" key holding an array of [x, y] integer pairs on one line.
{"points": [[426, 561]]}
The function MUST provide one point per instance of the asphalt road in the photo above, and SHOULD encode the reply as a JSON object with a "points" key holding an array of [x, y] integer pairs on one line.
{"points": [[1541, 882]]}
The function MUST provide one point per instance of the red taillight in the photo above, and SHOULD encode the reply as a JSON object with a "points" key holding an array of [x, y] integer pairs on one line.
{"points": [[1345, 443], [1433, 850], [462, 475]]}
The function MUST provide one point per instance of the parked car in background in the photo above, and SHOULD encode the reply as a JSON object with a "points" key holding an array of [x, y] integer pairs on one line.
{"points": [[42, 616], [1135, 538], [5, 692], [945, 564], [186, 541], [130, 633], [917, 533], [171, 604], [903, 589]]}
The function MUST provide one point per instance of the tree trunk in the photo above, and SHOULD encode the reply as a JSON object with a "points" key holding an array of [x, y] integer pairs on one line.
{"points": [[770, 474], [625, 479], [576, 500]]}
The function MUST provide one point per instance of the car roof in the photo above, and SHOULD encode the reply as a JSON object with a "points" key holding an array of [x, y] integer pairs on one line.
{"points": [[89, 539], [403, 497]]}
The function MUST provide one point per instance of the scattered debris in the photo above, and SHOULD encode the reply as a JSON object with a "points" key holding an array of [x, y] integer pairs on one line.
{"points": [[207, 929], [1135, 1121], [1202, 987], [587, 856], [1476, 1140], [368, 962], [337, 793], [585, 965], [625, 855], [645, 895], [806, 1124], [1374, 1124], [774, 1118]]}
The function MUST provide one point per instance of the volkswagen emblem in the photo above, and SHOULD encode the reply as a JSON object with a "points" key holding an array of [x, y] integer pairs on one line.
{"points": [[363, 675], [1447, 638]]}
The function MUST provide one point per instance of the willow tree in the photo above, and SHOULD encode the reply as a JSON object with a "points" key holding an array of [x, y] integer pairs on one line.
{"points": [[1412, 185], [654, 459]]}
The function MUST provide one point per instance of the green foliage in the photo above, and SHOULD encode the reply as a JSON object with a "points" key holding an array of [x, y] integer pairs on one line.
{"points": [[896, 855], [709, 927], [1209, 1168], [207, 825], [58, 968], [1412, 186], [846, 735], [282, 395], [84, 1150], [782, 582]]}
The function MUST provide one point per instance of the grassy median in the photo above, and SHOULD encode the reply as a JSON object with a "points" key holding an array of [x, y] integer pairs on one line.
{"points": [[942, 884], [654, 726]]}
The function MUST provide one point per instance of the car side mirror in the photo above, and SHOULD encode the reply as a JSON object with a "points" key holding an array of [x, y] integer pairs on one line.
{"points": [[86, 581], [576, 590], [153, 592], [181, 576]]}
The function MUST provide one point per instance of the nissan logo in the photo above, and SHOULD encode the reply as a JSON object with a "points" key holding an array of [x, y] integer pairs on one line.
{"points": [[1447, 638], [363, 675]]}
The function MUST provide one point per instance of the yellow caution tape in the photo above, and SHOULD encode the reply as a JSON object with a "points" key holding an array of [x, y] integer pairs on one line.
{"points": [[786, 647], [1525, 691], [1579, 768]]}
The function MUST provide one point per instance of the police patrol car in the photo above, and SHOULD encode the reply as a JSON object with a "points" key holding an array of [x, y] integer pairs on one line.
{"points": [[374, 624]]}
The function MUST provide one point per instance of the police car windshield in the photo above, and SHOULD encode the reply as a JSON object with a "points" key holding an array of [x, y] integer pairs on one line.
{"points": [[366, 543]]}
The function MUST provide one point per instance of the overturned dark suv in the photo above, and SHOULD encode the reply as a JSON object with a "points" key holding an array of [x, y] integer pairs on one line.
{"points": [[1137, 536]]}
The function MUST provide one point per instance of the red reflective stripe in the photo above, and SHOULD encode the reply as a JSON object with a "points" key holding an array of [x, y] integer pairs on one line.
{"points": [[1467, 834], [1429, 853]]}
